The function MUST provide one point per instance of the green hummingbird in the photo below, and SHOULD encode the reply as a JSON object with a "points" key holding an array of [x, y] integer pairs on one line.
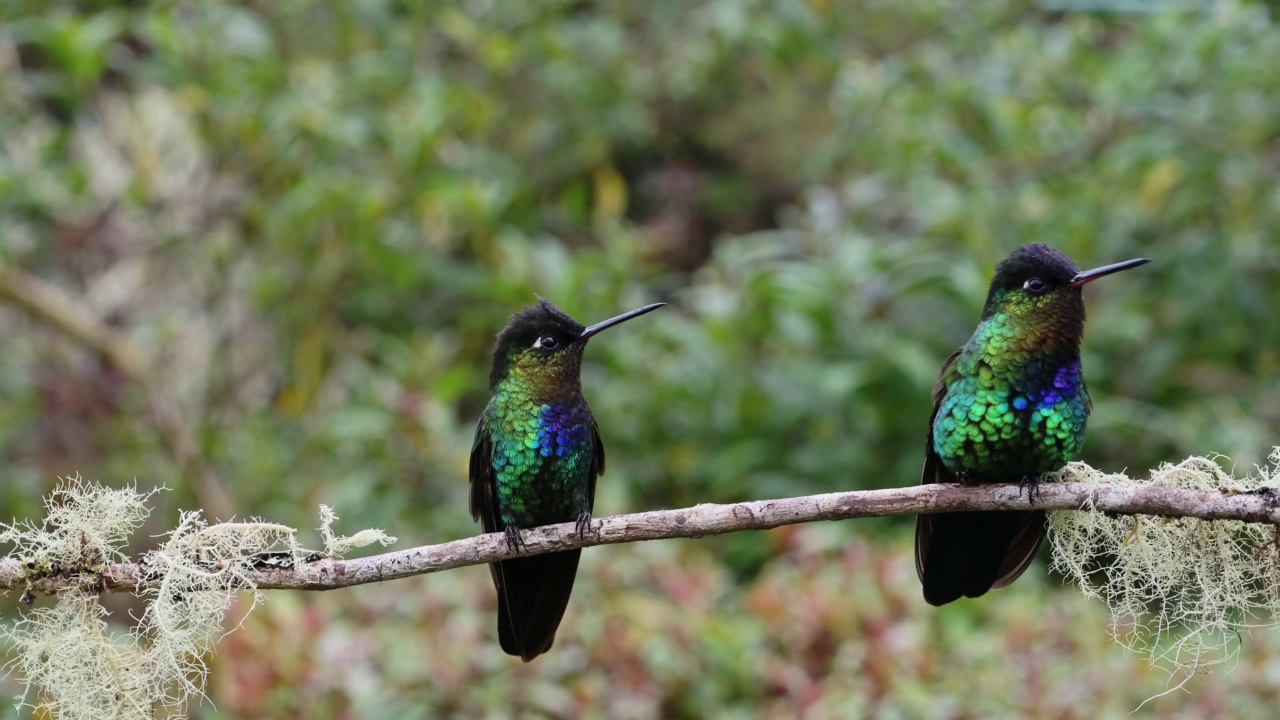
{"points": [[1009, 406], [535, 460]]}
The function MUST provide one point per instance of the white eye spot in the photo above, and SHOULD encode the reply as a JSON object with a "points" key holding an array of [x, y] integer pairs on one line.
{"points": [[546, 342], [1035, 285]]}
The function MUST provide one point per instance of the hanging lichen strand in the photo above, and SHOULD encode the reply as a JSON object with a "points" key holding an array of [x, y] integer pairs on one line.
{"points": [[73, 663], [1184, 591]]}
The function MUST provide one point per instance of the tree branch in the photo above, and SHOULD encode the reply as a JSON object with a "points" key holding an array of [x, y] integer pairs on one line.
{"points": [[1261, 506], [49, 303]]}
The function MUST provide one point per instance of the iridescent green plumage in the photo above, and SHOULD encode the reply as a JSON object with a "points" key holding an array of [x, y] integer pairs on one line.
{"points": [[1014, 405], [535, 460], [1009, 406], [544, 443]]}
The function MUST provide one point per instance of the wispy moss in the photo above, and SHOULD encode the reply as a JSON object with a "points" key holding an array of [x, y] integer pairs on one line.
{"points": [[74, 664], [1184, 591]]}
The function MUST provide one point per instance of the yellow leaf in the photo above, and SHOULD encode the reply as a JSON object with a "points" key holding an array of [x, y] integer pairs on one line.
{"points": [[610, 192], [1160, 181], [309, 359]]}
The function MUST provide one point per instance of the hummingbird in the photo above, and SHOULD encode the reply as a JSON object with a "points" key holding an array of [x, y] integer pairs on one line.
{"points": [[535, 460], [1009, 406]]}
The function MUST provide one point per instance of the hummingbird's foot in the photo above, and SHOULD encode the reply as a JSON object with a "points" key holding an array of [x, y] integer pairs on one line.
{"points": [[514, 541], [964, 477], [584, 524], [1030, 483]]}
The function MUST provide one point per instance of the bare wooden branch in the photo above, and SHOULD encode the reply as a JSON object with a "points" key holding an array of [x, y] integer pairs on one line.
{"points": [[701, 520]]}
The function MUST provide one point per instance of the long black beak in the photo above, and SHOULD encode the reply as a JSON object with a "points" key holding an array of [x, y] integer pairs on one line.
{"points": [[1084, 278], [605, 325]]}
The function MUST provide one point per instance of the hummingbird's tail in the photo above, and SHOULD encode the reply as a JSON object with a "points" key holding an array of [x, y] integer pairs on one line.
{"points": [[532, 595], [966, 554]]}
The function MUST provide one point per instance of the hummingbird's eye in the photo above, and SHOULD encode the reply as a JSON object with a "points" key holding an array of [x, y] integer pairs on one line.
{"points": [[547, 342], [1035, 285]]}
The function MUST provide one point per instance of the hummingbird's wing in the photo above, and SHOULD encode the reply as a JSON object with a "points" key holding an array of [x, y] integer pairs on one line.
{"points": [[597, 462], [934, 471], [1028, 534], [483, 504]]}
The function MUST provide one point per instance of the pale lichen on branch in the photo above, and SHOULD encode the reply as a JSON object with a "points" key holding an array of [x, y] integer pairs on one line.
{"points": [[1182, 590], [72, 662], [1202, 569]]}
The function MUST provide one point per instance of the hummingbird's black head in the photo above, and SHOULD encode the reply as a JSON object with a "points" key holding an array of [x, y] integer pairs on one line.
{"points": [[541, 347], [1034, 284], [541, 341], [1039, 284], [1035, 260]]}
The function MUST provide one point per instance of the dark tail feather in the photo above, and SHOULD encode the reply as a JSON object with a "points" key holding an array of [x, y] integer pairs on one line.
{"points": [[967, 554], [532, 595]]}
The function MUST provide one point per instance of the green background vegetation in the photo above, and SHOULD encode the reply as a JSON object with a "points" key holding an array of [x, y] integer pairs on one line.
{"points": [[314, 216]]}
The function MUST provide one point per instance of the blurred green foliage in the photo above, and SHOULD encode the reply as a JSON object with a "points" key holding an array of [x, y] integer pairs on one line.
{"points": [[315, 216]]}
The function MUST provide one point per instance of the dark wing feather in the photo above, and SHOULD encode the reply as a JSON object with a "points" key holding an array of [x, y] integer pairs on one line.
{"points": [[533, 593], [1022, 549], [483, 504], [484, 507], [597, 463], [934, 471]]}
